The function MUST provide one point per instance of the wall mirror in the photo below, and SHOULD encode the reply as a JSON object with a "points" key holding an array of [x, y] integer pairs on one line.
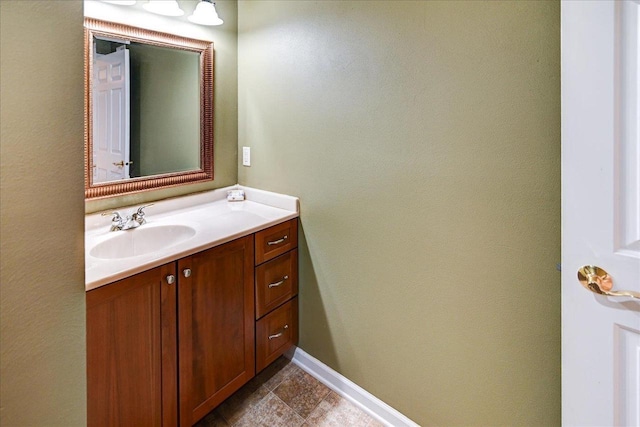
{"points": [[148, 109]]}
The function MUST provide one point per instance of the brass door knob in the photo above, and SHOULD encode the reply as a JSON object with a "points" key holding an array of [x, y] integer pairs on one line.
{"points": [[597, 280], [121, 163]]}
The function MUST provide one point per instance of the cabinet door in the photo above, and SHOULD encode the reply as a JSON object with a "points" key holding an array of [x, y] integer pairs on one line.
{"points": [[216, 326], [131, 362]]}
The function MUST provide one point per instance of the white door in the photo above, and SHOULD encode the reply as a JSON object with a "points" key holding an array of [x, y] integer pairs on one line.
{"points": [[111, 157], [601, 211]]}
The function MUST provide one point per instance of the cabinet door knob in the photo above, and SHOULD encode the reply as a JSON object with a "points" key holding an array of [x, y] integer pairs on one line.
{"points": [[186, 272], [171, 279]]}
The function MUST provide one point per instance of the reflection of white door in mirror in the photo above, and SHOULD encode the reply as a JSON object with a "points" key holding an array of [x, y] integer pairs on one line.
{"points": [[111, 156]]}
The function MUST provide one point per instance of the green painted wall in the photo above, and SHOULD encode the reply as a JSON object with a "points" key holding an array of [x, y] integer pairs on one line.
{"points": [[165, 109], [42, 312], [423, 139]]}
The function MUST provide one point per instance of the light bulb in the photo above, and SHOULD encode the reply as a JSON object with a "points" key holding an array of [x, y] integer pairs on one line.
{"points": [[205, 14], [164, 7]]}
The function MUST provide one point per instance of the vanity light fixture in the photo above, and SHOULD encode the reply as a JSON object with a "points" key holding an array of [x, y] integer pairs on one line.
{"points": [[205, 14], [164, 7]]}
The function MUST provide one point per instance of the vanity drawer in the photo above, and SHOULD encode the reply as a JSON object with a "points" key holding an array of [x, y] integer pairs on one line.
{"points": [[276, 333], [276, 240], [276, 282]]}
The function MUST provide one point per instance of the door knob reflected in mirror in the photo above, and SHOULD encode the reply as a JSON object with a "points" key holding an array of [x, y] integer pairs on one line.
{"points": [[597, 280], [121, 163]]}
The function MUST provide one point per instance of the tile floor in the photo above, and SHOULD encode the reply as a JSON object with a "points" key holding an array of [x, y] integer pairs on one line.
{"points": [[283, 395]]}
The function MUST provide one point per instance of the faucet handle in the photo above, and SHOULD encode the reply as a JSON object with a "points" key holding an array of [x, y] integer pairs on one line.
{"points": [[139, 215], [116, 222], [116, 215], [141, 209]]}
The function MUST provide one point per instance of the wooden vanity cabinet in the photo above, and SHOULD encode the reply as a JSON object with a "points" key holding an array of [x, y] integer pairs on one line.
{"points": [[166, 346], [131, 351]]}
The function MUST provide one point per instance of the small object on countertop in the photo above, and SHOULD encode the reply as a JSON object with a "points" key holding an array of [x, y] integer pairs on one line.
{"points": [[235, 195]]}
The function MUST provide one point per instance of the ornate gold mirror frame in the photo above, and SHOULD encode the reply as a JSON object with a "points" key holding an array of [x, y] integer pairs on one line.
{"points": [[94, 27]]}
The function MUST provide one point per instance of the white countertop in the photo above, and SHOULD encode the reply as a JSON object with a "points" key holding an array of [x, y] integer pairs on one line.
{"points": [[214, 219]]}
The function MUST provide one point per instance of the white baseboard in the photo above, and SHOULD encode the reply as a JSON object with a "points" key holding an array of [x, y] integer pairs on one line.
{"points": [[350, 391]]}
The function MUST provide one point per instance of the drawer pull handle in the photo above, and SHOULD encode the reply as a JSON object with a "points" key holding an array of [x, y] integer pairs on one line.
{"points": [[279, 334], [276, 284], [277, 242]]}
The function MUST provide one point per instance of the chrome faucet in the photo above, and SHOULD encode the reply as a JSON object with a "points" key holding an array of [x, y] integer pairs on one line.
{"points": [[134, 220]]}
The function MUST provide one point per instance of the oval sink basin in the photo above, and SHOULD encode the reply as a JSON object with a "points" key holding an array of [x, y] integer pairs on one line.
{"points": [[142, 241]]}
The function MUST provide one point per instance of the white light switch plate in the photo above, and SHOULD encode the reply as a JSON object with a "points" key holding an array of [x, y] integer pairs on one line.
{"points": [[246, 156]]}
